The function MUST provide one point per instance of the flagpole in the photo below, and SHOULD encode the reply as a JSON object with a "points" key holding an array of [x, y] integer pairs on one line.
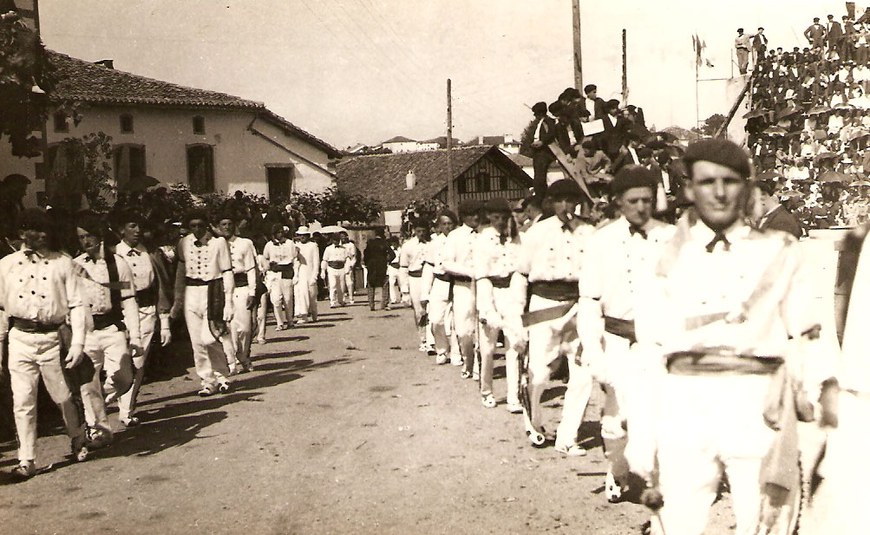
{"points": [[697, 66]]}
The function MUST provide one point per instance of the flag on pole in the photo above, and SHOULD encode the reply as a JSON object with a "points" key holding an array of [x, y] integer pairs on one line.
{"points": [[700, 47]]}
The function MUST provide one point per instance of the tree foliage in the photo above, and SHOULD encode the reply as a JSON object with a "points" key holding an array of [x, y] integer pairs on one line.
{"points": [[81, 167], [711, 125], [333, 206], [25, 78]]}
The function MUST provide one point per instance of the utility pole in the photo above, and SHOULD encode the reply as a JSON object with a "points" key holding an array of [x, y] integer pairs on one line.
{"points": [[624, 68], [578, 56], [451, 187]]}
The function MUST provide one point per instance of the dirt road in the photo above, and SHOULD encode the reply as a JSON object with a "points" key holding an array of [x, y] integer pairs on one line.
{"points": [[343, 428]]}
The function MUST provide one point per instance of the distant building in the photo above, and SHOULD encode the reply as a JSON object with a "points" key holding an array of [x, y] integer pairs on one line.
{"points": [[400, 144], [478, 172], [211, 141], [507, 142]]}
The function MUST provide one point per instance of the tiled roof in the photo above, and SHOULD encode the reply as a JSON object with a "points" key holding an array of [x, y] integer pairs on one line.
{"points": [[89, 82], [382, 177]]}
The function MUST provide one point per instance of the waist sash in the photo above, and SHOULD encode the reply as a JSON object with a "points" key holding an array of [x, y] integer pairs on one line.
{"points": [[500, 282], [335, 264], [713, 363], [416, 273], [33, 326], [241, 279], [148, 296], [561, 290], [619, 327], [104, 321], [190, 281]]}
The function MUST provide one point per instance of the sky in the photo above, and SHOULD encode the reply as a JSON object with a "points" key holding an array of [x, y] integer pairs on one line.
{"points": [[362, 71]]}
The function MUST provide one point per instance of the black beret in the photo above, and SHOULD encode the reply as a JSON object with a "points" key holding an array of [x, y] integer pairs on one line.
{"points": [[569, 93], [498, 205], [644, 152], [564, 189], [632, 176], [469, 207], [539, 108], [91, 222], [612, 103], [195, 213], [126, 215], [720, 151], [589, 88], [556, 108], [34, 219]]}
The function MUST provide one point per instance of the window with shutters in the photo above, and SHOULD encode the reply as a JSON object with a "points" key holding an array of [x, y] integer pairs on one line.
{"points": [[129, 164], [200, 168], [280, 179]]}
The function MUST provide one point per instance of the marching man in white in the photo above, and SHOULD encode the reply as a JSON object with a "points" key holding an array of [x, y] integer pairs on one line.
{"points": [[618, 261], [244, 260]]}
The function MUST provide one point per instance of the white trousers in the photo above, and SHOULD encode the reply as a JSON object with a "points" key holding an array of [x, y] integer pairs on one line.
{"points": [[337, 282], [306, 299], [840, 505], [465, 320], [707, 424], [349, 285], [441, 315], [393, 281], [415, 288], [509, 314], [32, 355], [261, 317], [548, 341], [147, 325], [241, 326], [109, 349], [208, 352], [281, 294]]}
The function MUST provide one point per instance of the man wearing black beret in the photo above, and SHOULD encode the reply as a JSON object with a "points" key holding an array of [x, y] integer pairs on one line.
{"points": [[724, 308], [618, 259], [550, 266]]}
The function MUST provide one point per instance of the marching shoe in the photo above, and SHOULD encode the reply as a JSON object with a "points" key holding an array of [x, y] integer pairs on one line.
{"points": [[612, 489], [488, 401], [132, 421], [98, 438], [206, 391], [24, 470], [572, 450], [440, 359], [224, 388], [79, 449], [514, 408]]}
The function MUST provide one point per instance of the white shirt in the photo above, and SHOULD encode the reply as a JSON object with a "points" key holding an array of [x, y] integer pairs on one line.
{"points": [[140, 264], [617, 263], [412, 254], [493, 258], [458, 257], [206, 261], [39, 288], [749, 297], [435, 250], [283, 253], [96, 293], [550, 252], [309, 262]]}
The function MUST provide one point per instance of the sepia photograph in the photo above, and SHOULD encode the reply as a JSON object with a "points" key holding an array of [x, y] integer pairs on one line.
{"points": [[434, 267]]}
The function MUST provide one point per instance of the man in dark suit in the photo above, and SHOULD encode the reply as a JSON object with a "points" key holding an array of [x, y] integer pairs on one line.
{"points": [[614, 133], [759, 46], [835, 34], [542, 157], [775, 217], [569, 131], [815, 34]]}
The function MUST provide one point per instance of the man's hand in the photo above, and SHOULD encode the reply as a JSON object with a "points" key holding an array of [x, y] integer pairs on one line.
{"points": [[74, 356], [136, 350], [176, 310], [79, 271], [250, 302], [165, 337], [228, 312], [537, 144]]}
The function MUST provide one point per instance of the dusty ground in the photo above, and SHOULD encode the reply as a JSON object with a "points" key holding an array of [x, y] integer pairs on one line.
{"points": [[343, 428]]}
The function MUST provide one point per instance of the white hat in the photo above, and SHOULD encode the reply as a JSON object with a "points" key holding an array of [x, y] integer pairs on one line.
{"points": [[302, 230]]}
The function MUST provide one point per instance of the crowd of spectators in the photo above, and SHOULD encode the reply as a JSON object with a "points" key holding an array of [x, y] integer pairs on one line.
{"points": [[809, 122]]}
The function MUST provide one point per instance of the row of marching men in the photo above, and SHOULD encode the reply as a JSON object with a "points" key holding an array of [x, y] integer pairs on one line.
{"points": [[704, 336], [72, 320]]}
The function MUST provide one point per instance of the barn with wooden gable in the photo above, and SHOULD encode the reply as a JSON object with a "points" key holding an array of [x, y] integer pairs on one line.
{"points": [[479, 173]]}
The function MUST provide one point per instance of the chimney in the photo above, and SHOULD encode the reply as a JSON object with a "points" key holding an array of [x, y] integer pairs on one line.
{"points": [[107, 63], [480, 140]]}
